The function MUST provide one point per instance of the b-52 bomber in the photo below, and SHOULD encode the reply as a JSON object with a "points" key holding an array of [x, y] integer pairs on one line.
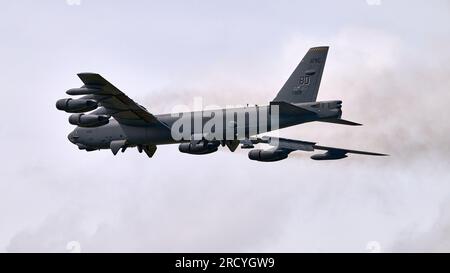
{"points": [[116, 122]]}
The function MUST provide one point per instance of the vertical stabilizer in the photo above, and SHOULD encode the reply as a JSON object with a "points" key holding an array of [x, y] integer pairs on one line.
{"points": [[303, 84]]}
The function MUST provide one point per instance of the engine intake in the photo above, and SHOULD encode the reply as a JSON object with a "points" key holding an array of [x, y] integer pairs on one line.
{"points": [[268, 155], [201, 148], [83, 120], [76, 105]]}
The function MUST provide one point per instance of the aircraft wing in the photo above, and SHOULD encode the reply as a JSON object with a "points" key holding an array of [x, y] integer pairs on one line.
{"points": [[290, 145], [114, 102]]}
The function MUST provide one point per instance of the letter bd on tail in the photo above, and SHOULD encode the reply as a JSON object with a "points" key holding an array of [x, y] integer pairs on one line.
{"points": [[106, 118]]}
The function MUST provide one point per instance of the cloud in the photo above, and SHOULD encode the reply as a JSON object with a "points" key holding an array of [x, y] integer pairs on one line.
{"points": [[433, 238], [53, 194]]}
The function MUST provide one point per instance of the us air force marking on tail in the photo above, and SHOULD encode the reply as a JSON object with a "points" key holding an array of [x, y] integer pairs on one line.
{"points": [[118, 123]]}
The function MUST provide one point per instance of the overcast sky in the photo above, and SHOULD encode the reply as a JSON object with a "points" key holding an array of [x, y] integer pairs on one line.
{"points": [[388, 61]]}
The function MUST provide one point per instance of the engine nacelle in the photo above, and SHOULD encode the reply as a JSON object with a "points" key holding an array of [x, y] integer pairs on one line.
{"points": [[83, 91], [83, 120], [329, 156], [77, 105], [200, 148], [268, 155]]}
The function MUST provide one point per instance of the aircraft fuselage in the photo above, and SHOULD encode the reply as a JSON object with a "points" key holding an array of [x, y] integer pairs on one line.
{"points": [[235, 123]]}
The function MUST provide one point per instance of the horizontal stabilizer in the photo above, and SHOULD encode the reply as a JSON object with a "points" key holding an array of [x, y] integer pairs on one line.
{"points": [[340, 121], [286, 108]]}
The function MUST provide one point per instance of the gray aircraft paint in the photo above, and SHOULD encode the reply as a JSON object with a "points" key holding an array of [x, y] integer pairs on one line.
{"points": [[132, 125], [154, 134]]}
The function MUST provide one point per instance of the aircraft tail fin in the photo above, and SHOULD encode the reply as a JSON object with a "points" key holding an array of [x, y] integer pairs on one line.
{"points": [[303, 84]]}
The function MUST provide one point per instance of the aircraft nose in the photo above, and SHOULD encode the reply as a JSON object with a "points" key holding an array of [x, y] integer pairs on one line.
{"points": [[72, 137]]}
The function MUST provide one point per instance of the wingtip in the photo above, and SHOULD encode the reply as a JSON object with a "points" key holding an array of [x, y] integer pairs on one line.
{"points": [[379, 154]]}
